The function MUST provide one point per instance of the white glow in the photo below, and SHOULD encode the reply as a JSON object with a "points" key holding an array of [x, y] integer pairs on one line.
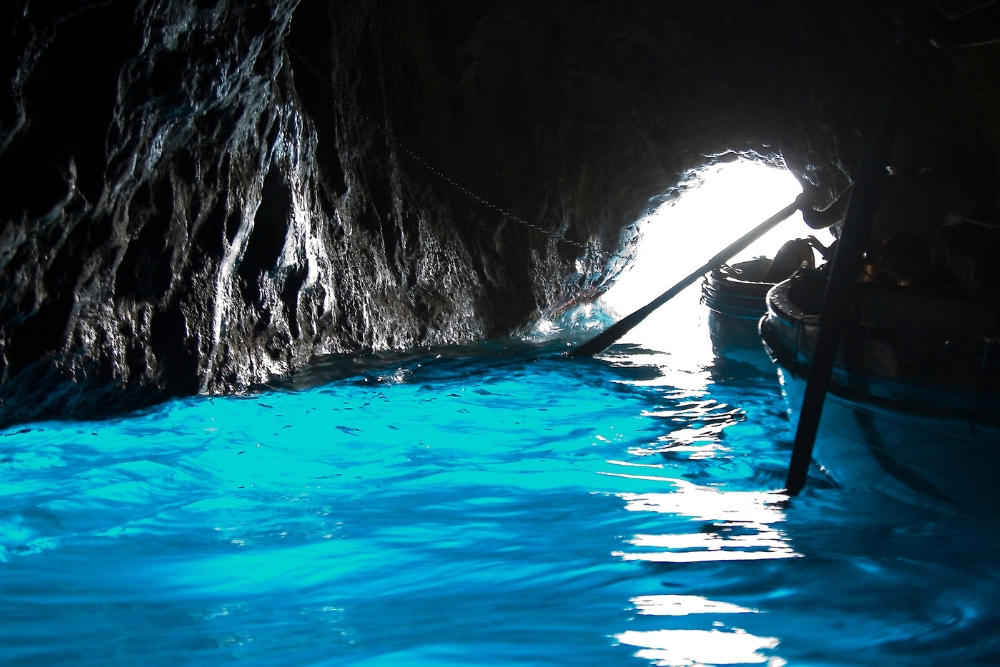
{"points": [[689, 377], [680, 648], [705, 503], [683, 605], [765, 543], [682, 235], [742, 525]]}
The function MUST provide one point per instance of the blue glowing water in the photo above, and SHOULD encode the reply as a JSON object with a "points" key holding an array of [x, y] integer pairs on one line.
{"points": [[488, 506]]}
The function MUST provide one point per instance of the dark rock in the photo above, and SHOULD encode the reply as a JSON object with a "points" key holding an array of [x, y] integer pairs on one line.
{"points": [[202, 195]]}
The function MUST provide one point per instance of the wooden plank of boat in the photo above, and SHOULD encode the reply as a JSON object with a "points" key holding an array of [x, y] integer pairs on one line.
{"points": [[924, 459]]}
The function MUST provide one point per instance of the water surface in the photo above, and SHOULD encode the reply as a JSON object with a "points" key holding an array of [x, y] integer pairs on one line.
{"points": [[492, 505]]}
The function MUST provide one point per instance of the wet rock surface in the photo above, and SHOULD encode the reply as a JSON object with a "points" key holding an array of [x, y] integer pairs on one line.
{"points": [[204, 195]]}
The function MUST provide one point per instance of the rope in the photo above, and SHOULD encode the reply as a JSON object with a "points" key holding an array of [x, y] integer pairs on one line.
{"points": [[426, 165]]}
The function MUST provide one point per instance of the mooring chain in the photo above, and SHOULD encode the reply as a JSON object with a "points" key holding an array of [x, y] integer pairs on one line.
{"points": [[450, 181]]}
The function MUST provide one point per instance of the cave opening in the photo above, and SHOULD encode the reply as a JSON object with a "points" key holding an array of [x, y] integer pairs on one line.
{"points": [[717, 204]]}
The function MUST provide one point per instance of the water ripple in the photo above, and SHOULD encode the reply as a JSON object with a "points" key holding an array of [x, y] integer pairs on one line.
{"points": [[464, 506]]}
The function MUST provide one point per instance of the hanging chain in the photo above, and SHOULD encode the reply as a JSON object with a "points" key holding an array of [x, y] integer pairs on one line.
{"points": [[419, 160]]}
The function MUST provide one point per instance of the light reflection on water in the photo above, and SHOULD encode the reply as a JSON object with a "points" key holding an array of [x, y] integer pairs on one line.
{"points": [[736, 525], [682, 605], [677, 648]]}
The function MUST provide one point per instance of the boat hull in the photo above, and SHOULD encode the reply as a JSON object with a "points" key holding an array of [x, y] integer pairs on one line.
{"points": [[738, 339], [736, 300], [922, 460], [913, 406]]}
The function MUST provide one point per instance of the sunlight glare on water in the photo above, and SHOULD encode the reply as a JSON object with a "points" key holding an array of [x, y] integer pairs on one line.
{"points": [[677, 648]]}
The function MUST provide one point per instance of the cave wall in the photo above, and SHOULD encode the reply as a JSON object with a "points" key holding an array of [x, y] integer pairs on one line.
{"points": [[201, 195]]}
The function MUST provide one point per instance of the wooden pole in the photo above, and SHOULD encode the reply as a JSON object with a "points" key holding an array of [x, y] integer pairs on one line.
{"points": [[848, 260]]}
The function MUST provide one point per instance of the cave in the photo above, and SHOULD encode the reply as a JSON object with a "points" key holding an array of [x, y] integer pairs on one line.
{"points": [[202, 197], [292, 298]]}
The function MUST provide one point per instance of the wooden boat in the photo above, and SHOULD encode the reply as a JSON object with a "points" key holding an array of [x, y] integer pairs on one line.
{"points": [[914, 403], [736, 297]]}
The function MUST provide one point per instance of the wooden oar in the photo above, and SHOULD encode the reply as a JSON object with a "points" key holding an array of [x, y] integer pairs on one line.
{"points": [[608, 337], [849, 258]]}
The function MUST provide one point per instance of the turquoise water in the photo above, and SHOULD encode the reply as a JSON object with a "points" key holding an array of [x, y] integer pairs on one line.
{"points": [[491, 505]]}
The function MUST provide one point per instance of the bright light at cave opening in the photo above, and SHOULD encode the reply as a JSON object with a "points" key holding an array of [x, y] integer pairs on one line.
{"points": [[683, 234]]}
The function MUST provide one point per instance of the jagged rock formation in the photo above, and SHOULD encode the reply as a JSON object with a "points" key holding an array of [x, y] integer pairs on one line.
{"points": [[199, 195]]}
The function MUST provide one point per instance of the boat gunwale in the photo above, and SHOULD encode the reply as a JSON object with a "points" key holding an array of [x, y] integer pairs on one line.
{"points": [[852, 384]]}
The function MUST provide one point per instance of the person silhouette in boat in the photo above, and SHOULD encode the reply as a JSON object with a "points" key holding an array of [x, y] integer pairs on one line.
{"points": [[792, 256], [906, 244], [911, 202]]}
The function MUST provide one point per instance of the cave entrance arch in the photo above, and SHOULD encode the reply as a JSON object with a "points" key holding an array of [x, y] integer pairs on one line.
{"points": [[718, 203]]}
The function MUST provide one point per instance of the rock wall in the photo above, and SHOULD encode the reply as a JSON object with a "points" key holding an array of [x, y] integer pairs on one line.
{"points": [[201, 195]]}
